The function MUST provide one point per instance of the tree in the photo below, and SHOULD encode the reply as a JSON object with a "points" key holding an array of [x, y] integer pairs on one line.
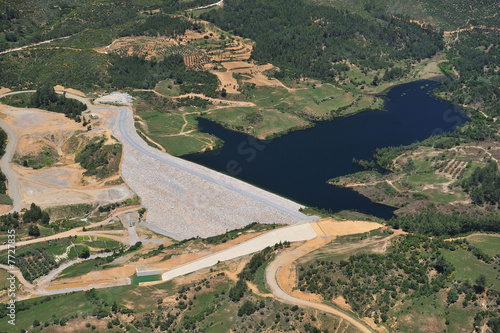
{"points": [[45, 218], [237, 292], [480, 285], [33, 214], [247, 308], [84, 253], [11, 37], [33, 230], [452, 296]]}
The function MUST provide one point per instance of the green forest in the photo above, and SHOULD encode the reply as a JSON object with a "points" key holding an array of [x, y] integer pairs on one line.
{"points": [[46, 98], [413, 271], [305, 39], [475, 56]]}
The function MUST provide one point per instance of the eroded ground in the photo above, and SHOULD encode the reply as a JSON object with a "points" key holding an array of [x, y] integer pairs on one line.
{"points": [[50, 141]]}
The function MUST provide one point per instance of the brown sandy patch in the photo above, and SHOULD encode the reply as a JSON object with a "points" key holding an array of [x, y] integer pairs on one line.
{"points": [[252, 73], [79, 325], [335, 228], [287, 275], [227, 80], [4, 209], [63, 182], [341, 302], [118, 275], [4, 90], [69, 90]]}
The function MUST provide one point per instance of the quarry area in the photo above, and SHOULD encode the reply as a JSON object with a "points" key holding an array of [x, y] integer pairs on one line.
{"points": [[48, 141]]}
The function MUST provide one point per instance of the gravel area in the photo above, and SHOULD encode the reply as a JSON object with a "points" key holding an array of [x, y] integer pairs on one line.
{"points": [[186, 200]]}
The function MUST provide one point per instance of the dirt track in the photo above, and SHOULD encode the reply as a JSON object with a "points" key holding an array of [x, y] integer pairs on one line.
{"points": [[12, 183], [120, 235], [278, 272]]}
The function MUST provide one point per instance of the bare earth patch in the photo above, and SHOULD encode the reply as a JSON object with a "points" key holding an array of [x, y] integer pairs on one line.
{"points": [[62, 183], [69, 90]]}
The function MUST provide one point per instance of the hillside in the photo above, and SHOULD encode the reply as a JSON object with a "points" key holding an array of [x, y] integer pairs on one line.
{"points": [[91, 253]]}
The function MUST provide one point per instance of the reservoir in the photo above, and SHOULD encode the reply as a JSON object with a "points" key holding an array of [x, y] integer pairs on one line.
{"points": [[298, 165]]}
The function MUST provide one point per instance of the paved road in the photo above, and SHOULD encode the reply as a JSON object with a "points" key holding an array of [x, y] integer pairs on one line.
{"points": [[272, 271], [292, 234]]}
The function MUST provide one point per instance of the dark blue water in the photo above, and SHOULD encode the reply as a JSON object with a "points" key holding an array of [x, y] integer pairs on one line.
{"points": [[298, 164]]}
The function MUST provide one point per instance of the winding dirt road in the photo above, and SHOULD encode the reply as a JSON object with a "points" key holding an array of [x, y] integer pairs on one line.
{"points": [[283, 261], [119, 235], [272, 271], [12, 183]]}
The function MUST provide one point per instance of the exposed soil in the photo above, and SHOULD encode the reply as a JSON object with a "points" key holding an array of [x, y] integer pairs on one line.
{"points": [[69, 90], [4, 90], [250, 72], [62, 182], [327, 230], [118, 274]]}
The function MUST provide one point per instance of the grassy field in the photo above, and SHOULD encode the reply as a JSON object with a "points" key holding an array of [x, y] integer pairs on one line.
{"points": [[469, 268], [260, 276], [175, 131], [279, 110], [99, 242], [168, 88], [431, 313], [4, 283], [490, 244], [270, 123], [84, 268], [183, 144]]}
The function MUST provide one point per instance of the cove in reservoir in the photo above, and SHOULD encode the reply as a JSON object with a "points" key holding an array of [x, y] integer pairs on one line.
{"points": [[298, 165]]}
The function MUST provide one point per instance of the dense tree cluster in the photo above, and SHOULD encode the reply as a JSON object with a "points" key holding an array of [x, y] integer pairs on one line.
{"points": [[484, 184], [307, 39], [476, 57], [99, 159], [145, 74], [161, 24], [88, 69], [373, 283], [46, 98], [34, 215], [432, 222]]}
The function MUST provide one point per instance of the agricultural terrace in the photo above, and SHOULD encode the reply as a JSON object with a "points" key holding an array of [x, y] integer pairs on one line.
{"points": [[425, 174]]}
